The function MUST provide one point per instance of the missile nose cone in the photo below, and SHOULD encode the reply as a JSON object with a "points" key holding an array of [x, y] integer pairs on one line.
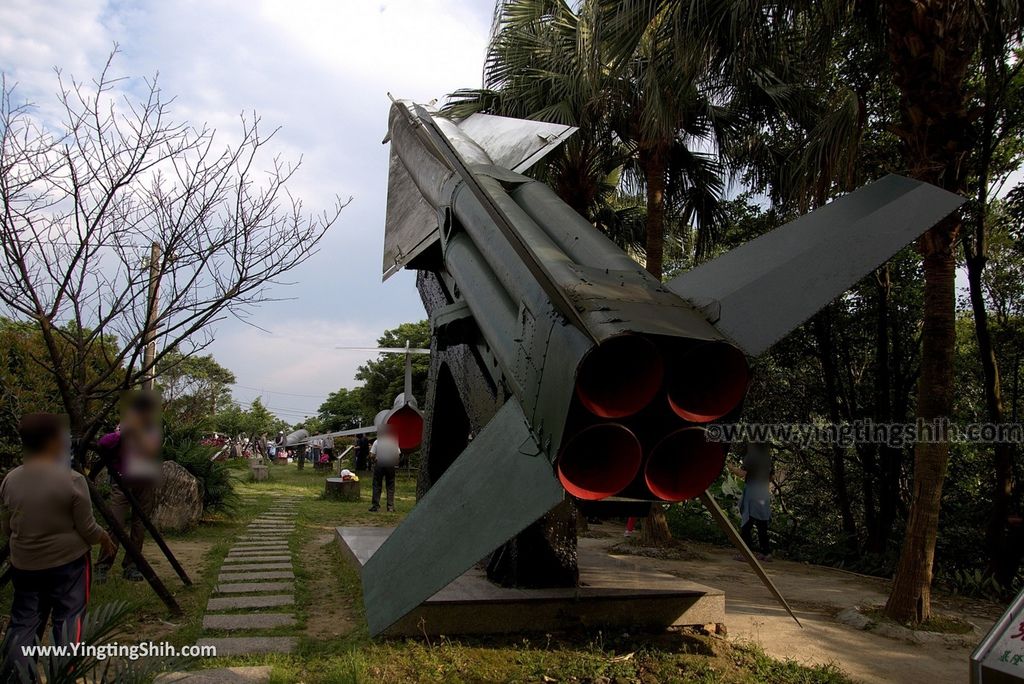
{"points": [[620, 376], [683, 465], [708, 382], [599, 461]]}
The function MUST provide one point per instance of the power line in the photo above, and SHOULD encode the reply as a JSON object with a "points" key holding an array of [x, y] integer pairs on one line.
{"points": [[86, 243], [299, 412], [287, 394]]}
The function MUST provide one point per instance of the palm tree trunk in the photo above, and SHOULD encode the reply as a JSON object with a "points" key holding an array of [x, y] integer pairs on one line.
{"points": [[930, 45], [1003, 559], [655, 530], [910, 598], [830, 374], [652, 162]]}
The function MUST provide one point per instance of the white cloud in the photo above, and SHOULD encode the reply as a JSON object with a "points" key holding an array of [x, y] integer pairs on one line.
{"points": [[321, 70]]}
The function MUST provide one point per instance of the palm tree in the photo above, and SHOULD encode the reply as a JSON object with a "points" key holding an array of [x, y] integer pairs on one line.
{"points": [[643, 120], [930, 44]]}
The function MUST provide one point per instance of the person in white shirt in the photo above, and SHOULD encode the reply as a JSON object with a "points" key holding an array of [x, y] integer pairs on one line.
{"points": [[384, 454]]}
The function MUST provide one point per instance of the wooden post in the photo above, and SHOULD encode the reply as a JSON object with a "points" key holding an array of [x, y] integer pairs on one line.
{"points": [[149, 336], [140, 561]]}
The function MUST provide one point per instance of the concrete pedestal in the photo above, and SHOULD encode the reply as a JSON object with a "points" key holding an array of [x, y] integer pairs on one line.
{"points": [[259, 472], [614, 592]]}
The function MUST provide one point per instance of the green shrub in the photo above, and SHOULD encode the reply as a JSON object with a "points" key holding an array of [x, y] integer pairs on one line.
{"points": [[214, 477], [973, 583]]}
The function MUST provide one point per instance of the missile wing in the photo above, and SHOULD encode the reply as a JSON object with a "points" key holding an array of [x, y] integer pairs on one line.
{"points": [[761, 290]]}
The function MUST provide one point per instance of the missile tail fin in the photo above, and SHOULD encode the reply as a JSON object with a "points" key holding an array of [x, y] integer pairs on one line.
{"points": [[765, 288], [515, 144], [411, 223], [497, 487]]}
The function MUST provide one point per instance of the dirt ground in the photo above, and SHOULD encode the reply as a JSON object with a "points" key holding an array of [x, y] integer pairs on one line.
{"points": [[330, 613], [191, 555], [816, 595]]}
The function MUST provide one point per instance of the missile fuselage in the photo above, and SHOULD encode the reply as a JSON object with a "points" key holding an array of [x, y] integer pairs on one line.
{"points": [[607, 363], [603, 377]]}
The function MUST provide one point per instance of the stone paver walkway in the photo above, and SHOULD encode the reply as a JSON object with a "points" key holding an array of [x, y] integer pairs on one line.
{"points": [[255, 588]]}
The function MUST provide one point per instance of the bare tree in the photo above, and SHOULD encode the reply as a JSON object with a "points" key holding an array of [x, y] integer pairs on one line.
{"points": [[88, 200]]}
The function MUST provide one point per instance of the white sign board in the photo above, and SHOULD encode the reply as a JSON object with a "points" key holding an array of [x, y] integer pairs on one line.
{"points": [[1002, 649]]}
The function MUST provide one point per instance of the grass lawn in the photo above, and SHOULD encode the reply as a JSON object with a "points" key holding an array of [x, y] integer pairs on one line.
{"points": [[333, 642]]}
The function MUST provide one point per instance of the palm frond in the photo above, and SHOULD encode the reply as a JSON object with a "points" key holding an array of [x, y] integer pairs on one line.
{"points": [[100, 627]]}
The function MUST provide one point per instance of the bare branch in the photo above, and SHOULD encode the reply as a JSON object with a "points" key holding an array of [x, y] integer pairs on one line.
{"points": [[81, 206]]}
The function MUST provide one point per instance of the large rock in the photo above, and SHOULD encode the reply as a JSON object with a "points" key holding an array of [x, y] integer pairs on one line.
{"points": [[179, 500]]}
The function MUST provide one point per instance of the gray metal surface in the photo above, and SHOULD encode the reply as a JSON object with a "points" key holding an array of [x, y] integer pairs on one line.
{"points": [[515, 144], [448, 148], [411, 222], [498, 486], [297, 437], [531, 288], [760, 291]]}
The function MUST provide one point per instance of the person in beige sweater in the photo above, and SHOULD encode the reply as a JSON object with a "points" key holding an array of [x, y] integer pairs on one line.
{"points": [[46, 516]]}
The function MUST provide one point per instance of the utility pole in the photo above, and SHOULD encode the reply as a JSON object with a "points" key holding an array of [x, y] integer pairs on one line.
{"points": [[149, 334]]}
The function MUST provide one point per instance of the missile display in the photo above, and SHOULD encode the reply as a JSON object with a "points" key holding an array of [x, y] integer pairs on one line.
{"points": [[610, 375]]}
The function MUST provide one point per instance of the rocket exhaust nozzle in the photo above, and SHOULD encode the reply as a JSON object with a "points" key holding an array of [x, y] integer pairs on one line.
{"points": [[708, 382], [683, 465], [620, 376], [599, 461]]}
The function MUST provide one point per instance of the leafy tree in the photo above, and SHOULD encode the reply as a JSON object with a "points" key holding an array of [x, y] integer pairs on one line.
{"points": [[251, 423], [259, 420], [312, 424], [27, 385], [384, 378], [929, 48], [645, 116], [343, 410], [193, 389], [24, 384]]}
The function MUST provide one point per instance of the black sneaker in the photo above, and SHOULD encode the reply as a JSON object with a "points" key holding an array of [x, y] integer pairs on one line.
{"points": [[374, 509], [391, 509], [133, 575]]}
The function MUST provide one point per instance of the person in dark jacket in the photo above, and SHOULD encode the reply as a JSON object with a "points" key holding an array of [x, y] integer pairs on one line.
{"points": [[46, 516], [362, 453]]}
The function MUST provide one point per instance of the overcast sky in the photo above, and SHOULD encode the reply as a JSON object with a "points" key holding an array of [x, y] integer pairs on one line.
{"points": [[321, 71]]}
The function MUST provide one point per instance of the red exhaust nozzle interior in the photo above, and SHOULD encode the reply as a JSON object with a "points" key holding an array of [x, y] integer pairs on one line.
{"points": [[406, 425], [708, 382], [599, 461], [620, 376], [683, 465]]}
